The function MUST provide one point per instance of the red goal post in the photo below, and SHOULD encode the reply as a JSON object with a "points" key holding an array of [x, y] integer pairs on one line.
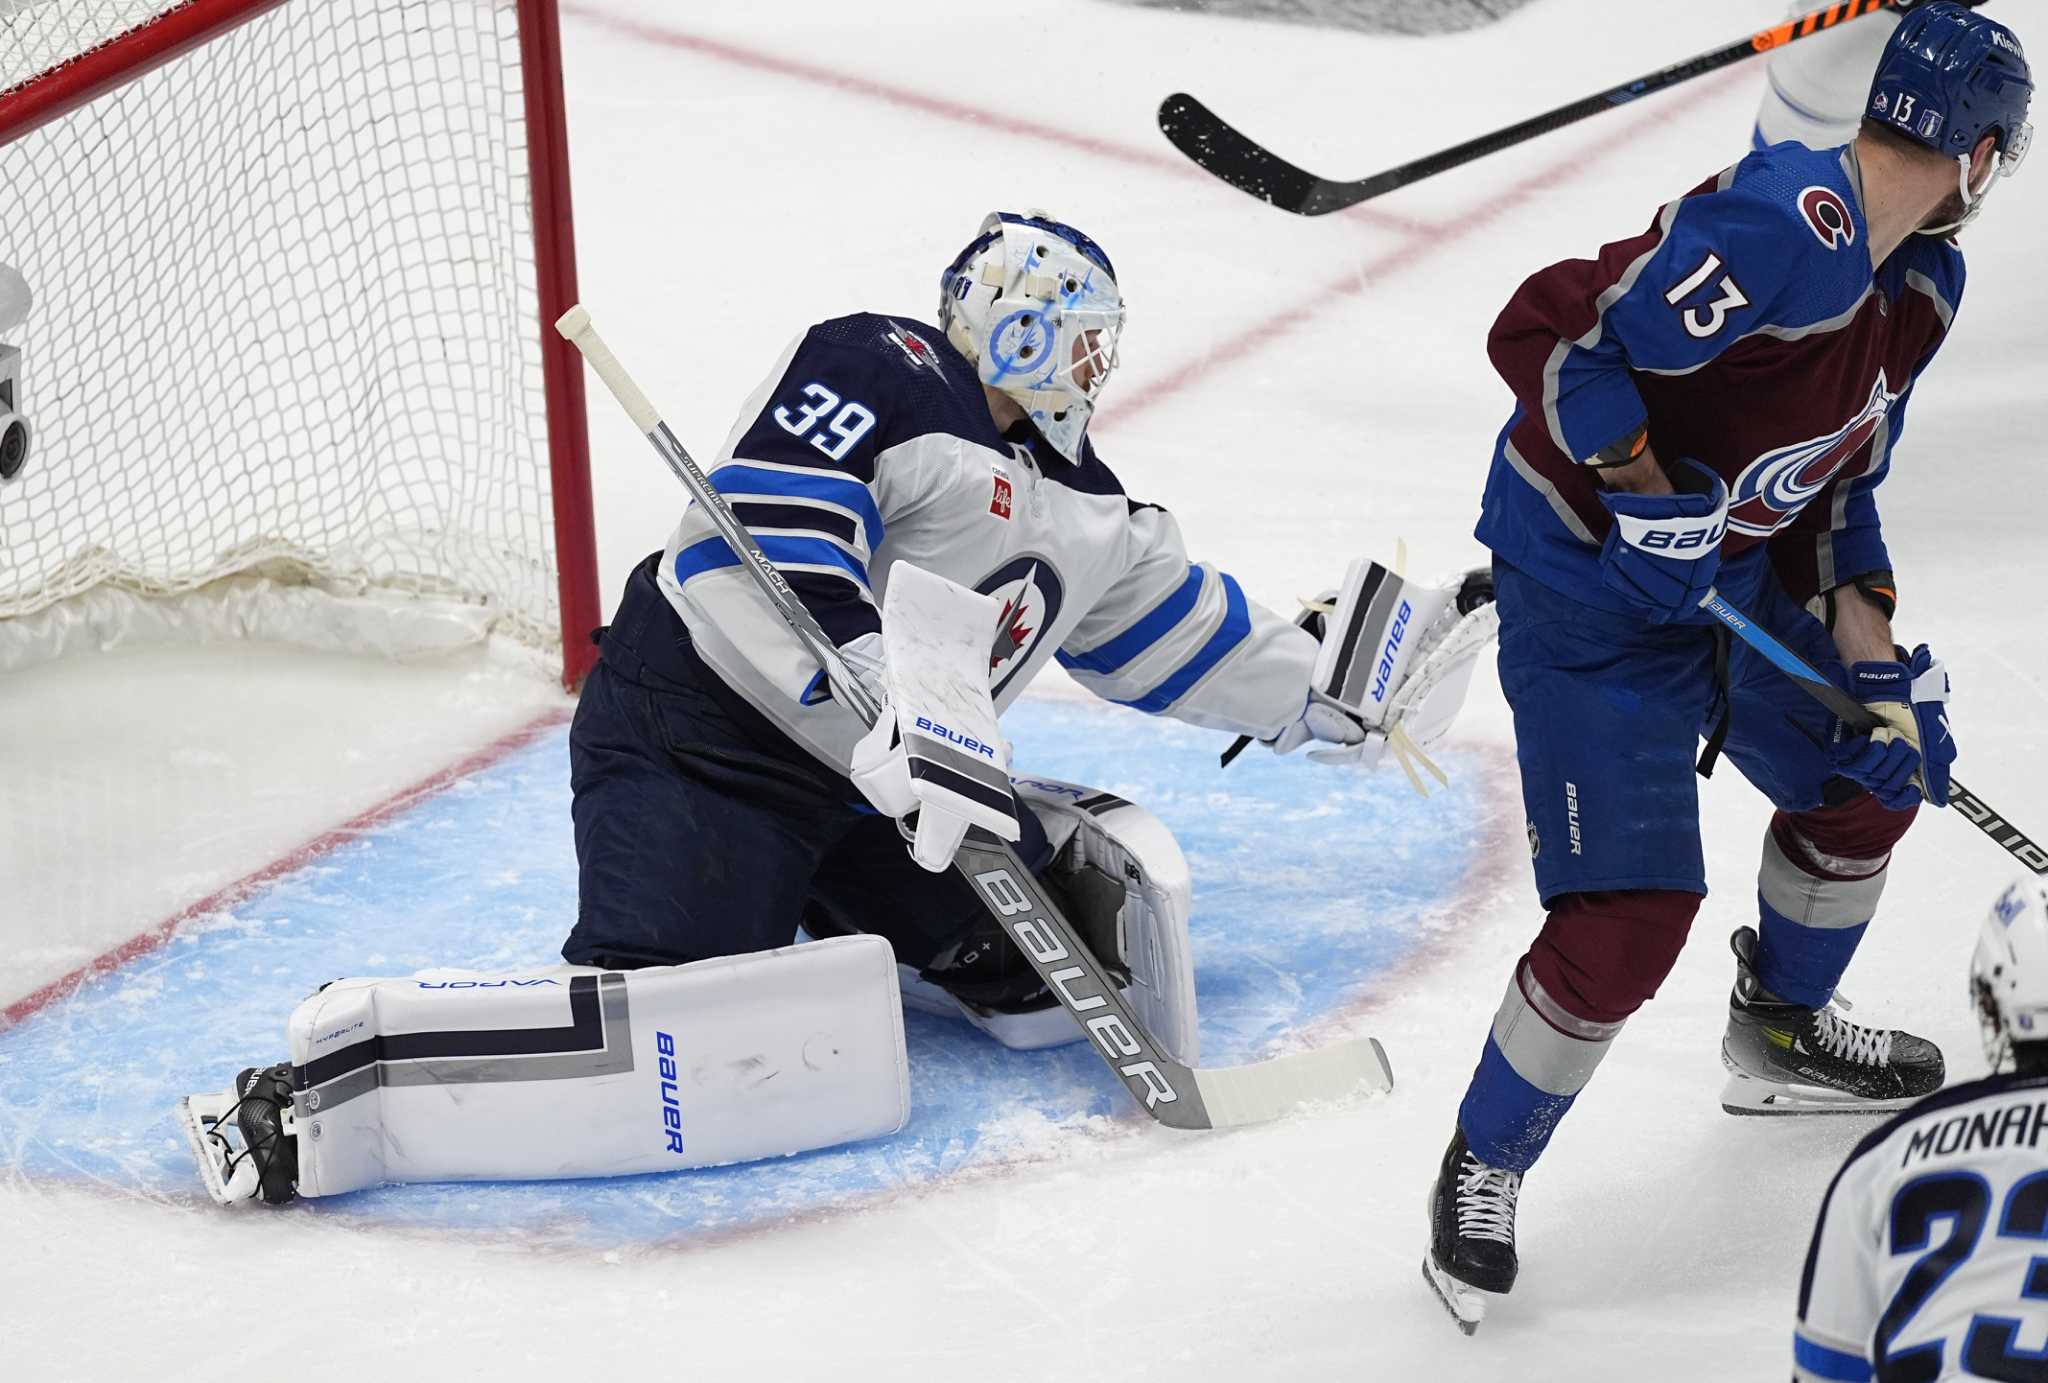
{"points": [[293, 265]]}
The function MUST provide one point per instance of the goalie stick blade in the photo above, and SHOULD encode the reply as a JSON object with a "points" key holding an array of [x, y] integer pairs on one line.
{"points": [[1217, 147], [1266, 1090]]}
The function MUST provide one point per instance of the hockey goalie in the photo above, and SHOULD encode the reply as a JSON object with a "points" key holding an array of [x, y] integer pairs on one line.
{"points": [[930, 496]]}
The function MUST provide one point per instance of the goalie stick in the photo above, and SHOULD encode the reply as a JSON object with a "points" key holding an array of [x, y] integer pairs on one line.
{"points": [[1856, 715], [1179, 1096], [1221, 149]]}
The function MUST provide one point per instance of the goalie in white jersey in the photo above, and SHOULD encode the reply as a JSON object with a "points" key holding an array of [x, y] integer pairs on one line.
{"points": [[726, 802], [1930, 1258]]}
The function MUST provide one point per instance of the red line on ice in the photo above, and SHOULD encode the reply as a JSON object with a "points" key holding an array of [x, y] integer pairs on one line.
{"points": [[242, 888], [925, 103]]}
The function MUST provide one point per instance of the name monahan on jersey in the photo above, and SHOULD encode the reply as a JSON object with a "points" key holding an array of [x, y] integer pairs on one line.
{"points": [[1930, 1258], [871, 444]]}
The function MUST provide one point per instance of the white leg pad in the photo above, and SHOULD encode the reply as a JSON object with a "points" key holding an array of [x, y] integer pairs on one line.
{"points": [[575, 1072]]}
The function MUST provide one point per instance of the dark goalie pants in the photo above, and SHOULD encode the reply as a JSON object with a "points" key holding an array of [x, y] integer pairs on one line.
{"points": [[703, 831], [1609, 710]]}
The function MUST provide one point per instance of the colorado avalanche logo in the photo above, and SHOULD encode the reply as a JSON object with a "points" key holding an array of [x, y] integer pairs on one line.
{"points": [[1827, 216], [1029, 593], [1777, 485]]}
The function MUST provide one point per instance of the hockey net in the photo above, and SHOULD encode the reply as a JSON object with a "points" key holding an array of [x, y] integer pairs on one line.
{"points": [[286, 364]]}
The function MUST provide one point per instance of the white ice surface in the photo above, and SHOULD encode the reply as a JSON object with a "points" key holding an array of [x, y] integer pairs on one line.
{"points": [[1332, 397]]}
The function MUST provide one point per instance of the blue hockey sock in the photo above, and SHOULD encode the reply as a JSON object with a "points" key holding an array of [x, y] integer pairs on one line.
{"points": [[1507, 1121], [1537, 1059], [1802, 964]]}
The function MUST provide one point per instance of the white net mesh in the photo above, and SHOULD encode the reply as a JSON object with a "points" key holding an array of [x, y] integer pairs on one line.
{"points": [[285, 316]]}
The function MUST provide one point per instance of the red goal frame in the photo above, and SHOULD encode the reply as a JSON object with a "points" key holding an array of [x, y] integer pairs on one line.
{"points": [[186, 26]]}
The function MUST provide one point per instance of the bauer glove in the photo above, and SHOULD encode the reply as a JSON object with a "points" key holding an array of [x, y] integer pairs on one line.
{"points": [[1908, 755], [1664, 551]]}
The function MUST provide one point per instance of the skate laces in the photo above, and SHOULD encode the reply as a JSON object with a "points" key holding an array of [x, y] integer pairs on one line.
{"points": [[1486, 1201], [1851, 1041]]}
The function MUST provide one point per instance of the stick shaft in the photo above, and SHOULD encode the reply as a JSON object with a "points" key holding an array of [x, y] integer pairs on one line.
{"points": [[1855, 714], [1249, 166]]}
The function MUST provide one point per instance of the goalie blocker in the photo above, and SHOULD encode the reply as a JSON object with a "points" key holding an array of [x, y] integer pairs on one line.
{"points": [[576, 1071]]}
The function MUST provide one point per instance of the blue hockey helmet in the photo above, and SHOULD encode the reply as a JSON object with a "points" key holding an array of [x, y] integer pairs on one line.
{"points": [[1950, 76]]}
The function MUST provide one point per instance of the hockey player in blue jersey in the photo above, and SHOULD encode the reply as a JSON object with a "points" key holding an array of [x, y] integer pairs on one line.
{"points": [[1714, 403]]}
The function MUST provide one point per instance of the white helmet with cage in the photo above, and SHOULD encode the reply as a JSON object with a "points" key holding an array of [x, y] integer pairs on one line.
{"points": [[1034, 304], [2009, 975]]}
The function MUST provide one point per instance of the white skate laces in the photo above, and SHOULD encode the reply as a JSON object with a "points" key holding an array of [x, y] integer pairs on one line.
{"points": [[1851, 1041], [1486, 1201]]}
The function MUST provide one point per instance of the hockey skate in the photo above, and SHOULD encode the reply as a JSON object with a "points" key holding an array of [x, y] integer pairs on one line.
{"points": [[1471, 1234], [1784, 1058], [244, 1139]]}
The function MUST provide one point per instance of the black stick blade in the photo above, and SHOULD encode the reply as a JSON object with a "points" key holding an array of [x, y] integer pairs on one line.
{"points": [[1199, 133]]}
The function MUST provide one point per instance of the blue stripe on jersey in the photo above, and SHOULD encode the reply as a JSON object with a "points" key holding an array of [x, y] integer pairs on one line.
{"points": [[712, 554], [1822, 1362], [1156, 623], [737, 478], [1234, 630]]}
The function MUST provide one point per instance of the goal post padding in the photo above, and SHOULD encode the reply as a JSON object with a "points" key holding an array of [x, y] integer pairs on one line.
{"points": [[293, 265]]}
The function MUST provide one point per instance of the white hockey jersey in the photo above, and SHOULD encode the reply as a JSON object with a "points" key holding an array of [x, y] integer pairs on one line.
{"points": [[870, 444], [1930, 1259]]}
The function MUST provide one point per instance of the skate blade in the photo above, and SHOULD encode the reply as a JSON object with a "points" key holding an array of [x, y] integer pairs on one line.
{"points": [[1746, 1095], [1467, 1305], [197, 1117]]}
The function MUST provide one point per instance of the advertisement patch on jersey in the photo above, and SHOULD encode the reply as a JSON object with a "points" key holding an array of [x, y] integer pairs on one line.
{"points": [[1030, 593], [999, 501], [1828, 216], [1772, 489]]}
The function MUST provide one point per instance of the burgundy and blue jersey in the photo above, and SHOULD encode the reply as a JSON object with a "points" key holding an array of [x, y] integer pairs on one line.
{"points": [[1746, 329]]}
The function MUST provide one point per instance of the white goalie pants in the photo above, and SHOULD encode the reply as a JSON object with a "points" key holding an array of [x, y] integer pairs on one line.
{"points": [[571, 1071]]}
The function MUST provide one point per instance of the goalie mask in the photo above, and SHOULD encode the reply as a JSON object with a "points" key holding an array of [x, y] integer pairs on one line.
{"points": [[2009, 974], [1034, 304]]}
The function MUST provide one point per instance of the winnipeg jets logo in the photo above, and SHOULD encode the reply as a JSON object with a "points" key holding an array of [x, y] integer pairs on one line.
{"points": [[1029, 592], [1777, 485]]}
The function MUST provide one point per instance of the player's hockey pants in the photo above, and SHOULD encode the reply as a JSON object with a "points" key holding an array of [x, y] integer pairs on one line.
{"points": [[1608, 712], [702, 831]]}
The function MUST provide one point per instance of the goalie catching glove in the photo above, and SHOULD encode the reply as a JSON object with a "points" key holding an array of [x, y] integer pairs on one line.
{"points": [[935, 753], [1394, 668]]}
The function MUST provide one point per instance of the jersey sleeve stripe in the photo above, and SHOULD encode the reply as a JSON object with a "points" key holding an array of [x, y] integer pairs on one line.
{"points": [[737, 479], [798, 518], [1234, 629], [1154, 625], [809, 553], [1817, 1361]]}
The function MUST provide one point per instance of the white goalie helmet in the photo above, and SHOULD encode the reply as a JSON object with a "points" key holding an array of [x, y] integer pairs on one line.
{"points": [[1034, 304], [2009, 973]]}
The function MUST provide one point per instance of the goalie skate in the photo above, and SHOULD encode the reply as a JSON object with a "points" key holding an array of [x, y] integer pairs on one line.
{"points": [[241, 1135]]}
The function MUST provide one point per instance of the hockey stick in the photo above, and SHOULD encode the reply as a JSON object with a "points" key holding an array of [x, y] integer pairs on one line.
{"points": [[1213, 143], [1856, 715], [1176, 1095]]}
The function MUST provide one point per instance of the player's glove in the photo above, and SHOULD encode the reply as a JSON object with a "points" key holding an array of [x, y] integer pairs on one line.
{"points": [[1394, 665], [1908, 756], [1326, 722], [1664, 551]]}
